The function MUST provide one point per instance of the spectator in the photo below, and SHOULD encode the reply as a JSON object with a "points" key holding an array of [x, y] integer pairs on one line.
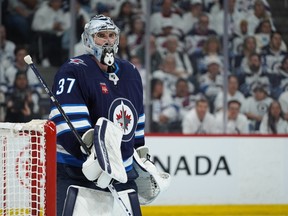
{"points": [[124, 17], [237, 123], [238, 38], [7, 47], [85, 4], [198, 120], [232, 94], [283, 72], [234, 17], [248, 6], [172, 47], [195, 39], [279, 79], [183, 100], [212, 81], [256, 106], [167, 12], [252, 75], [211, 47], [259, 13], [51, 22], [123, 49], [273, 122], [155, 55], [7, 57], [273, 53], [262, 33], [241, 58], [135, 38], [135, 60], [116, 7], [82, 17], [169, 73], [19, 101], [283, 100], [9, 75], [19, 18], [161, 107], [190, 18], [103, 8], [168, 30]]}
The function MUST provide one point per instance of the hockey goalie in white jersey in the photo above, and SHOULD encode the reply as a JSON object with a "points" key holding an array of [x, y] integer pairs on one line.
{"points": [[103, 97]]}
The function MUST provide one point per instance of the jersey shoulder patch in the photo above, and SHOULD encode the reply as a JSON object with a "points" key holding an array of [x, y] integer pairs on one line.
{"points": [[77, 61]]}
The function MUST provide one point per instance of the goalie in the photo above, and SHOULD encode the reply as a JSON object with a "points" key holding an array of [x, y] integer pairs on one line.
{"points": [[103, 98]]}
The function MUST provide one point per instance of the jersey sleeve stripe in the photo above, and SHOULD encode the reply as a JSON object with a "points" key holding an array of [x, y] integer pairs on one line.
{"points": [[69, 110], [128, 163], [141, 118], [139, 133], [62, 127]]}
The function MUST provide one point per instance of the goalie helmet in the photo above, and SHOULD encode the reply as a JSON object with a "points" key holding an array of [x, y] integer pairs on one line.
{"points": [[103, 53]]}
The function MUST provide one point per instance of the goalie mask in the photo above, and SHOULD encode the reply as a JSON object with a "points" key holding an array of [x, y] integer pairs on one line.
{"points": [[100, 24]]}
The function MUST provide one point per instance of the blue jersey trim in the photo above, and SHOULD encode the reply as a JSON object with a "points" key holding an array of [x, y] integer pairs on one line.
{"points": [[69, 130], [139, 137], [128, 168], [67, 105], [117, 68], [68, 159], [70, 114]]}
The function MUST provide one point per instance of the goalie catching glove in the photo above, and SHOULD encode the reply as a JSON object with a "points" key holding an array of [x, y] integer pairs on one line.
{"points": [[150, 181], [105, 161]]}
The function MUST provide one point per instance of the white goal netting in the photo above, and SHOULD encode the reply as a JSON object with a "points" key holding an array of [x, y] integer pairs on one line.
{"points": [[23, 157]]}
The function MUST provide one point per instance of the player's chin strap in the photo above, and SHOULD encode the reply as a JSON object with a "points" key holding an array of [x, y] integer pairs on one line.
{"points": [[150, 182]]}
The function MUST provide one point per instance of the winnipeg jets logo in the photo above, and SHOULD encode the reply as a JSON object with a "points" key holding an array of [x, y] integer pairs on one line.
{"points": [[77, 61], [123, 118], [123, 113]]}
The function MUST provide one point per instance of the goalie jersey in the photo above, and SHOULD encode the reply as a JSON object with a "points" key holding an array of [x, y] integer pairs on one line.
{"points": [[86, 93]]}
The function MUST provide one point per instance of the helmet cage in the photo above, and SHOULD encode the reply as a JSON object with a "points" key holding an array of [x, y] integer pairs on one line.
{"points": [[97, 24]]}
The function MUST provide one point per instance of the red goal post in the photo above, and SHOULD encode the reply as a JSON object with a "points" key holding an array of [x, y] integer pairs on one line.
{"points": [[28, 168]]}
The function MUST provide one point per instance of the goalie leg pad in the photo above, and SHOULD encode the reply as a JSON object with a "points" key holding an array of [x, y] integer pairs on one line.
{"points": [[70, 200], [130, 199], [89, 202], [135, 205]]}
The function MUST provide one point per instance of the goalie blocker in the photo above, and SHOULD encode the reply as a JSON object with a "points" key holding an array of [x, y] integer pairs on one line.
{"points": [[105, 165]]}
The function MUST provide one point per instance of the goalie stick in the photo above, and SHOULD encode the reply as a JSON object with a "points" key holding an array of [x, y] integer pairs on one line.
{"points": [[111, 188]]}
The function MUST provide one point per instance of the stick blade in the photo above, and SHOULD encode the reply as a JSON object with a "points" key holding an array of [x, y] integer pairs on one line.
{"points": [[28, 59]]}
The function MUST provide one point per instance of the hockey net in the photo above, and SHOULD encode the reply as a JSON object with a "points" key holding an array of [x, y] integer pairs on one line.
{"points": [[28, 168]]}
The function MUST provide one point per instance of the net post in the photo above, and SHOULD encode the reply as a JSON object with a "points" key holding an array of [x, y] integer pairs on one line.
{"points": [[50, 137]]}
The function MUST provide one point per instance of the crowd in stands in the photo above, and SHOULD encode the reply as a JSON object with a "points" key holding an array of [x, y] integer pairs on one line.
{"points": [[187, 59]]}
